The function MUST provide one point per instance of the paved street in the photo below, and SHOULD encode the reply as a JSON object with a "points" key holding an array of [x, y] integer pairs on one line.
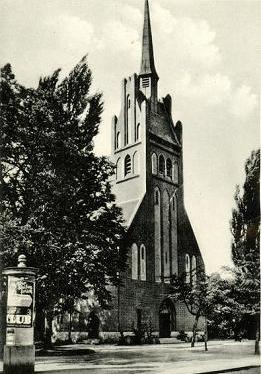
{"points": [[155, 359]]}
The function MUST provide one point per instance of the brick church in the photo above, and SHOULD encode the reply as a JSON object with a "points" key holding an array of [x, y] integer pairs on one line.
{"points": [[148, 153]]}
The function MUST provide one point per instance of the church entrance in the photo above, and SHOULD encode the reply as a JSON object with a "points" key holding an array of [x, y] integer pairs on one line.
{"points": [[167, 319]]}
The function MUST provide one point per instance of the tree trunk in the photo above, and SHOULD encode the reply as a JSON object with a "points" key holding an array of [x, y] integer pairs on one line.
{"points": [[195, 325], [70, 328], [48, 330], [206, 335], [39, 330], [257, 350]]}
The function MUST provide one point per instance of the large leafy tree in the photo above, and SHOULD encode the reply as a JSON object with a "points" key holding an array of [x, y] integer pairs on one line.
{"points": [[245, 228], [57, 205]]}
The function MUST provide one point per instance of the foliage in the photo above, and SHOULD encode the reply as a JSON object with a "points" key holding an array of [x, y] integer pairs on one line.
{"points": [[183, 336], [57, 205], [143, 332], [225, 316], [245, 229], [200, 295]]}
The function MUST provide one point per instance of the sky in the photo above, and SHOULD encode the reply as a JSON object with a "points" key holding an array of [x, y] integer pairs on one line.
{"points": [[206, 55]]}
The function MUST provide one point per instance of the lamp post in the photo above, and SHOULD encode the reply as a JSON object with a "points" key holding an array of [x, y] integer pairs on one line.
{"points": [[19, 350]]}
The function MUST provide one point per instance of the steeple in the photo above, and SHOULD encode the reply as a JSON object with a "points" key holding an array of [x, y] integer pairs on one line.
{"points": [[147, 60], [148, 75]]}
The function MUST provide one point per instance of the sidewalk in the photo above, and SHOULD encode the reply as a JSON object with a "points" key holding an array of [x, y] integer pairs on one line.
{"points": [[155, 359]]}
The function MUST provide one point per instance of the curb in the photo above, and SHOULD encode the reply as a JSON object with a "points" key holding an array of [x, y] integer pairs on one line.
{"points": [[229, 370], [202, 372]]}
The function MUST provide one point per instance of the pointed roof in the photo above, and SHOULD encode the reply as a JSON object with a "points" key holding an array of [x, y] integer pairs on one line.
{"points": [[147, 60]]}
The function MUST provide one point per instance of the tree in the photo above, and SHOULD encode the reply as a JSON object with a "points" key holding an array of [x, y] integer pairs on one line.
{"points": [[245, 229], [199, 295], [225, 317], [57, 205]]}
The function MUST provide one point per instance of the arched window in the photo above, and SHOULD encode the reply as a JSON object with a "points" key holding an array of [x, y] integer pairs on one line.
{"points": [[156, 197], [176, 172], [138, 132], [128, 120], [118, 169], [187, 268], [157, 233], [118, 140], [193, 270], [166, 234], [136, 163], [154, 163], [161, 165], [174, 203], [169, 168], [142, 262], [134, 261], [174, 234], [127, 165], [166, 258]]}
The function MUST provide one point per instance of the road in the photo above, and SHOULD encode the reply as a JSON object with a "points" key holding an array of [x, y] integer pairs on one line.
{"points": [[156, 359]]}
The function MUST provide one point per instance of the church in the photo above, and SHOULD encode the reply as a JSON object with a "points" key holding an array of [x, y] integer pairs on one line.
{"points": [[148, 153]]}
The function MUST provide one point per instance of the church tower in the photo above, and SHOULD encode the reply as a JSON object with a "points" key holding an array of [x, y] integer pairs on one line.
{"points": [[148, 185]]}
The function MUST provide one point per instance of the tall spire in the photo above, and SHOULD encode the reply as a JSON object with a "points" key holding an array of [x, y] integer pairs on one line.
{"points": [[147, 60]]}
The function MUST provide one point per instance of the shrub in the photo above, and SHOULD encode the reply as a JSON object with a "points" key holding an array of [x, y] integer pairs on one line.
{"points": [[183, 336]]}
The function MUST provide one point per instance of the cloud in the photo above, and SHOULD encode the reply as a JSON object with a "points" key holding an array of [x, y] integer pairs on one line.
{"points": [[71, 33], [118, 37], [42, 44], [217, 90], [210, 89], [130, 14], [163, 17], [243, 102], [192, 40]]}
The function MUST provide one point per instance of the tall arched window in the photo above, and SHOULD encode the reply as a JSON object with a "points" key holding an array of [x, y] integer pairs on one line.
{"points": [[187, 268], [166, 234], [176, 172], [128, 120], [118, 140], [154, 163], [157, 196], [193, 270], [118, 168], [157, 234], [174, 235], [136, 163], [162, 165], [134, 261], [142, 262], [127, 165], [138, 132], [169, 168]]}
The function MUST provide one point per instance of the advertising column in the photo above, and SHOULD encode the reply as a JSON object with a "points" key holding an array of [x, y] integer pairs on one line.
{"points": [[19, 350]]}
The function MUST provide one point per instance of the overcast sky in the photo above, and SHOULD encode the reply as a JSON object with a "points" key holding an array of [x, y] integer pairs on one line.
{"points": [[206, 55]]}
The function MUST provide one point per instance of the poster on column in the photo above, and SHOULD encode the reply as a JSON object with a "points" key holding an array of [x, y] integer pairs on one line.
{"points": [[20, 302]]}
